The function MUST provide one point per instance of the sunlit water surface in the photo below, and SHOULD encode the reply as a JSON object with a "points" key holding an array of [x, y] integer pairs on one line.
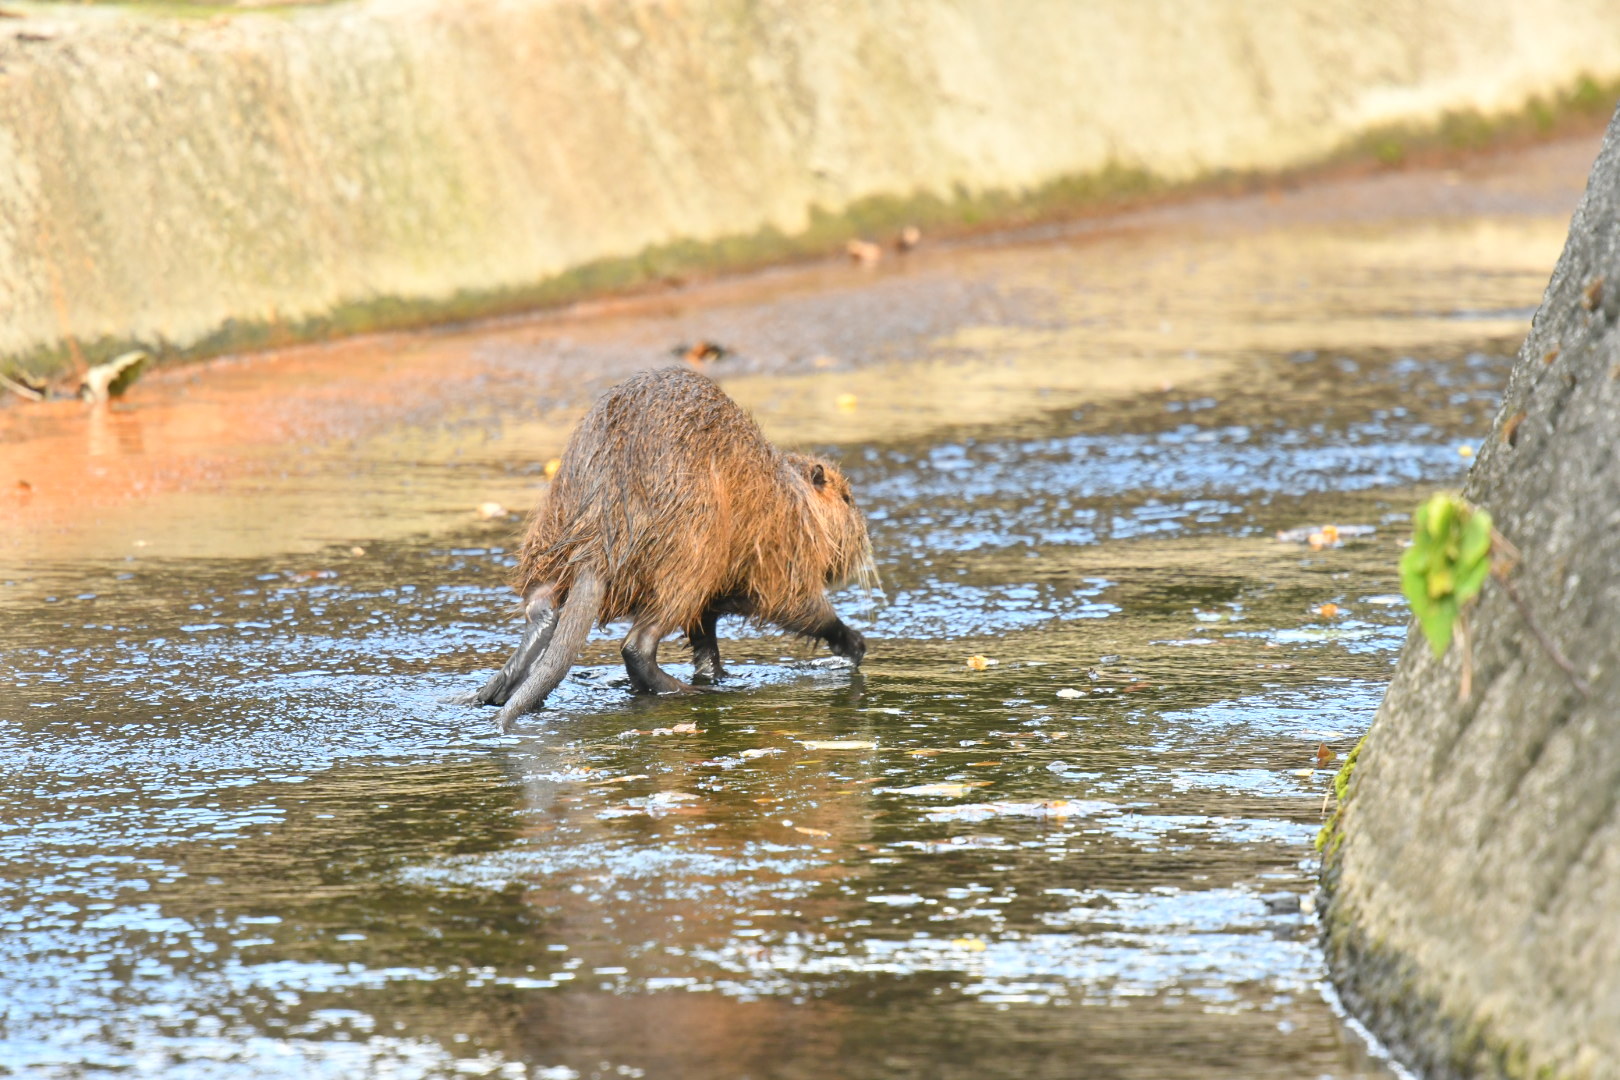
{"points": [[246, 834]]}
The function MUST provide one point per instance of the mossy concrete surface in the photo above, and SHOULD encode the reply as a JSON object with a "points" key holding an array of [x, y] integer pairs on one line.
{"points": [[1474, 868], [195, 179]]}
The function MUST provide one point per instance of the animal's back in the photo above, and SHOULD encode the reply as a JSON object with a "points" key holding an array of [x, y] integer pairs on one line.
{"points": [[654, 486]]}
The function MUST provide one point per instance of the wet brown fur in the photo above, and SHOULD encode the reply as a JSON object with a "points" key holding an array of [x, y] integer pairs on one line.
{"points": [[671, 494]]}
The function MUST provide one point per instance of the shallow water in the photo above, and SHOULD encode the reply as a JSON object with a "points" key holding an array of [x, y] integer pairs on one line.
{"points": [[245, 834]]}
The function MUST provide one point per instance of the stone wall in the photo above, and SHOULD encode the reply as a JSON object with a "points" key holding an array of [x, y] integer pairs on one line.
{"points": [[1474, 871]]}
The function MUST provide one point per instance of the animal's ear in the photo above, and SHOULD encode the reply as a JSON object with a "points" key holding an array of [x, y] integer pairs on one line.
{"points": [[818, 475]]}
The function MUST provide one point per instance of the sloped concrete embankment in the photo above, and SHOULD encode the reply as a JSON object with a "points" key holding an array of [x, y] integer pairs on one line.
{"points": [[1475, 868], [195, 182]]}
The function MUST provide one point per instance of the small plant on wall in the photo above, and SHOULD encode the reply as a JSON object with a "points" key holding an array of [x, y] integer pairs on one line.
{"points": [[1454, 550]]}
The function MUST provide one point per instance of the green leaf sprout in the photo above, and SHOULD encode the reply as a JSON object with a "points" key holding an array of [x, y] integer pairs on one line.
{"points": [[1446, 565]]}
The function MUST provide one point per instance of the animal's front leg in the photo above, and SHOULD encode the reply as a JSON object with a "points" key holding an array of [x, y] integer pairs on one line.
{"points": [[822, 622], [640, 652]]}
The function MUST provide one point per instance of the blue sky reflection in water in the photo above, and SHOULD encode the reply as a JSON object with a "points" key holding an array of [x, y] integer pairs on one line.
{"points": [[246, 833]]}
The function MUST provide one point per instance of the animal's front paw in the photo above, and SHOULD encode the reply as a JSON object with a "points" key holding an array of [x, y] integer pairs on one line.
{"points": [[849, 644]]}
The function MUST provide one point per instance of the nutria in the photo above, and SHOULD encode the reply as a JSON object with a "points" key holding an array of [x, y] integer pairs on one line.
{"points": [[671, 509]]}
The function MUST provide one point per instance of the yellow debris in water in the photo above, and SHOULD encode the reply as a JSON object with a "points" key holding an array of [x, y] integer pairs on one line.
{"points": [[846, 402], [552, 466]]}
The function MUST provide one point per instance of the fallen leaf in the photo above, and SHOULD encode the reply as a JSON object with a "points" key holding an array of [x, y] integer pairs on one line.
{"points": [[811, 832], [758, 752], [1323, 536], [623, 779], [976, 764], [845, 402], [488, 510], [1305, 774], [863, 252], [1328, 610], [946, 790], [1049, 808], [1465, 450], [979, 663], [552, 466], [701, 352], [1134, 687], [971, 944], [1070, 692], [924, 753], [837, 744], [1323, 755]]}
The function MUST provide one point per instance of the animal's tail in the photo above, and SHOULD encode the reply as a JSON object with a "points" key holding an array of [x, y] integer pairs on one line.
{"points": [[579, 613]]}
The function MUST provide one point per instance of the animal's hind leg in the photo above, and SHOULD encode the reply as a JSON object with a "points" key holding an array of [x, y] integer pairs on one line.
{"points": [[706, 649], [541, 609], [640, 652]]}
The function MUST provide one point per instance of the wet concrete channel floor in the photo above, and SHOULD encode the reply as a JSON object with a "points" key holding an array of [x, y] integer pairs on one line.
{"points": [[245, 832]]}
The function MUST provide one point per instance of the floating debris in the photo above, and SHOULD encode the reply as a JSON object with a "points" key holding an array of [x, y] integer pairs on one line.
{"points": [[115, 377], [942, 790], [699, 353], [1049, 809], [26, 386], [863, 253], [1324, 536]]}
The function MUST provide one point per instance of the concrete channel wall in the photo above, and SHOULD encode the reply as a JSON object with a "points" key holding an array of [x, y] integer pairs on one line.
{"points": [[1474, 868], [199, 181]]}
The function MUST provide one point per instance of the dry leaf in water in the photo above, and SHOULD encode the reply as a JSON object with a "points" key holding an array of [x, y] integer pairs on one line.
{"points": [[945, 790]]}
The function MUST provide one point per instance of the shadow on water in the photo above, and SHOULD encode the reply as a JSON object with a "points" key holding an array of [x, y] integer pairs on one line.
{"points": [[246, 834]]}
